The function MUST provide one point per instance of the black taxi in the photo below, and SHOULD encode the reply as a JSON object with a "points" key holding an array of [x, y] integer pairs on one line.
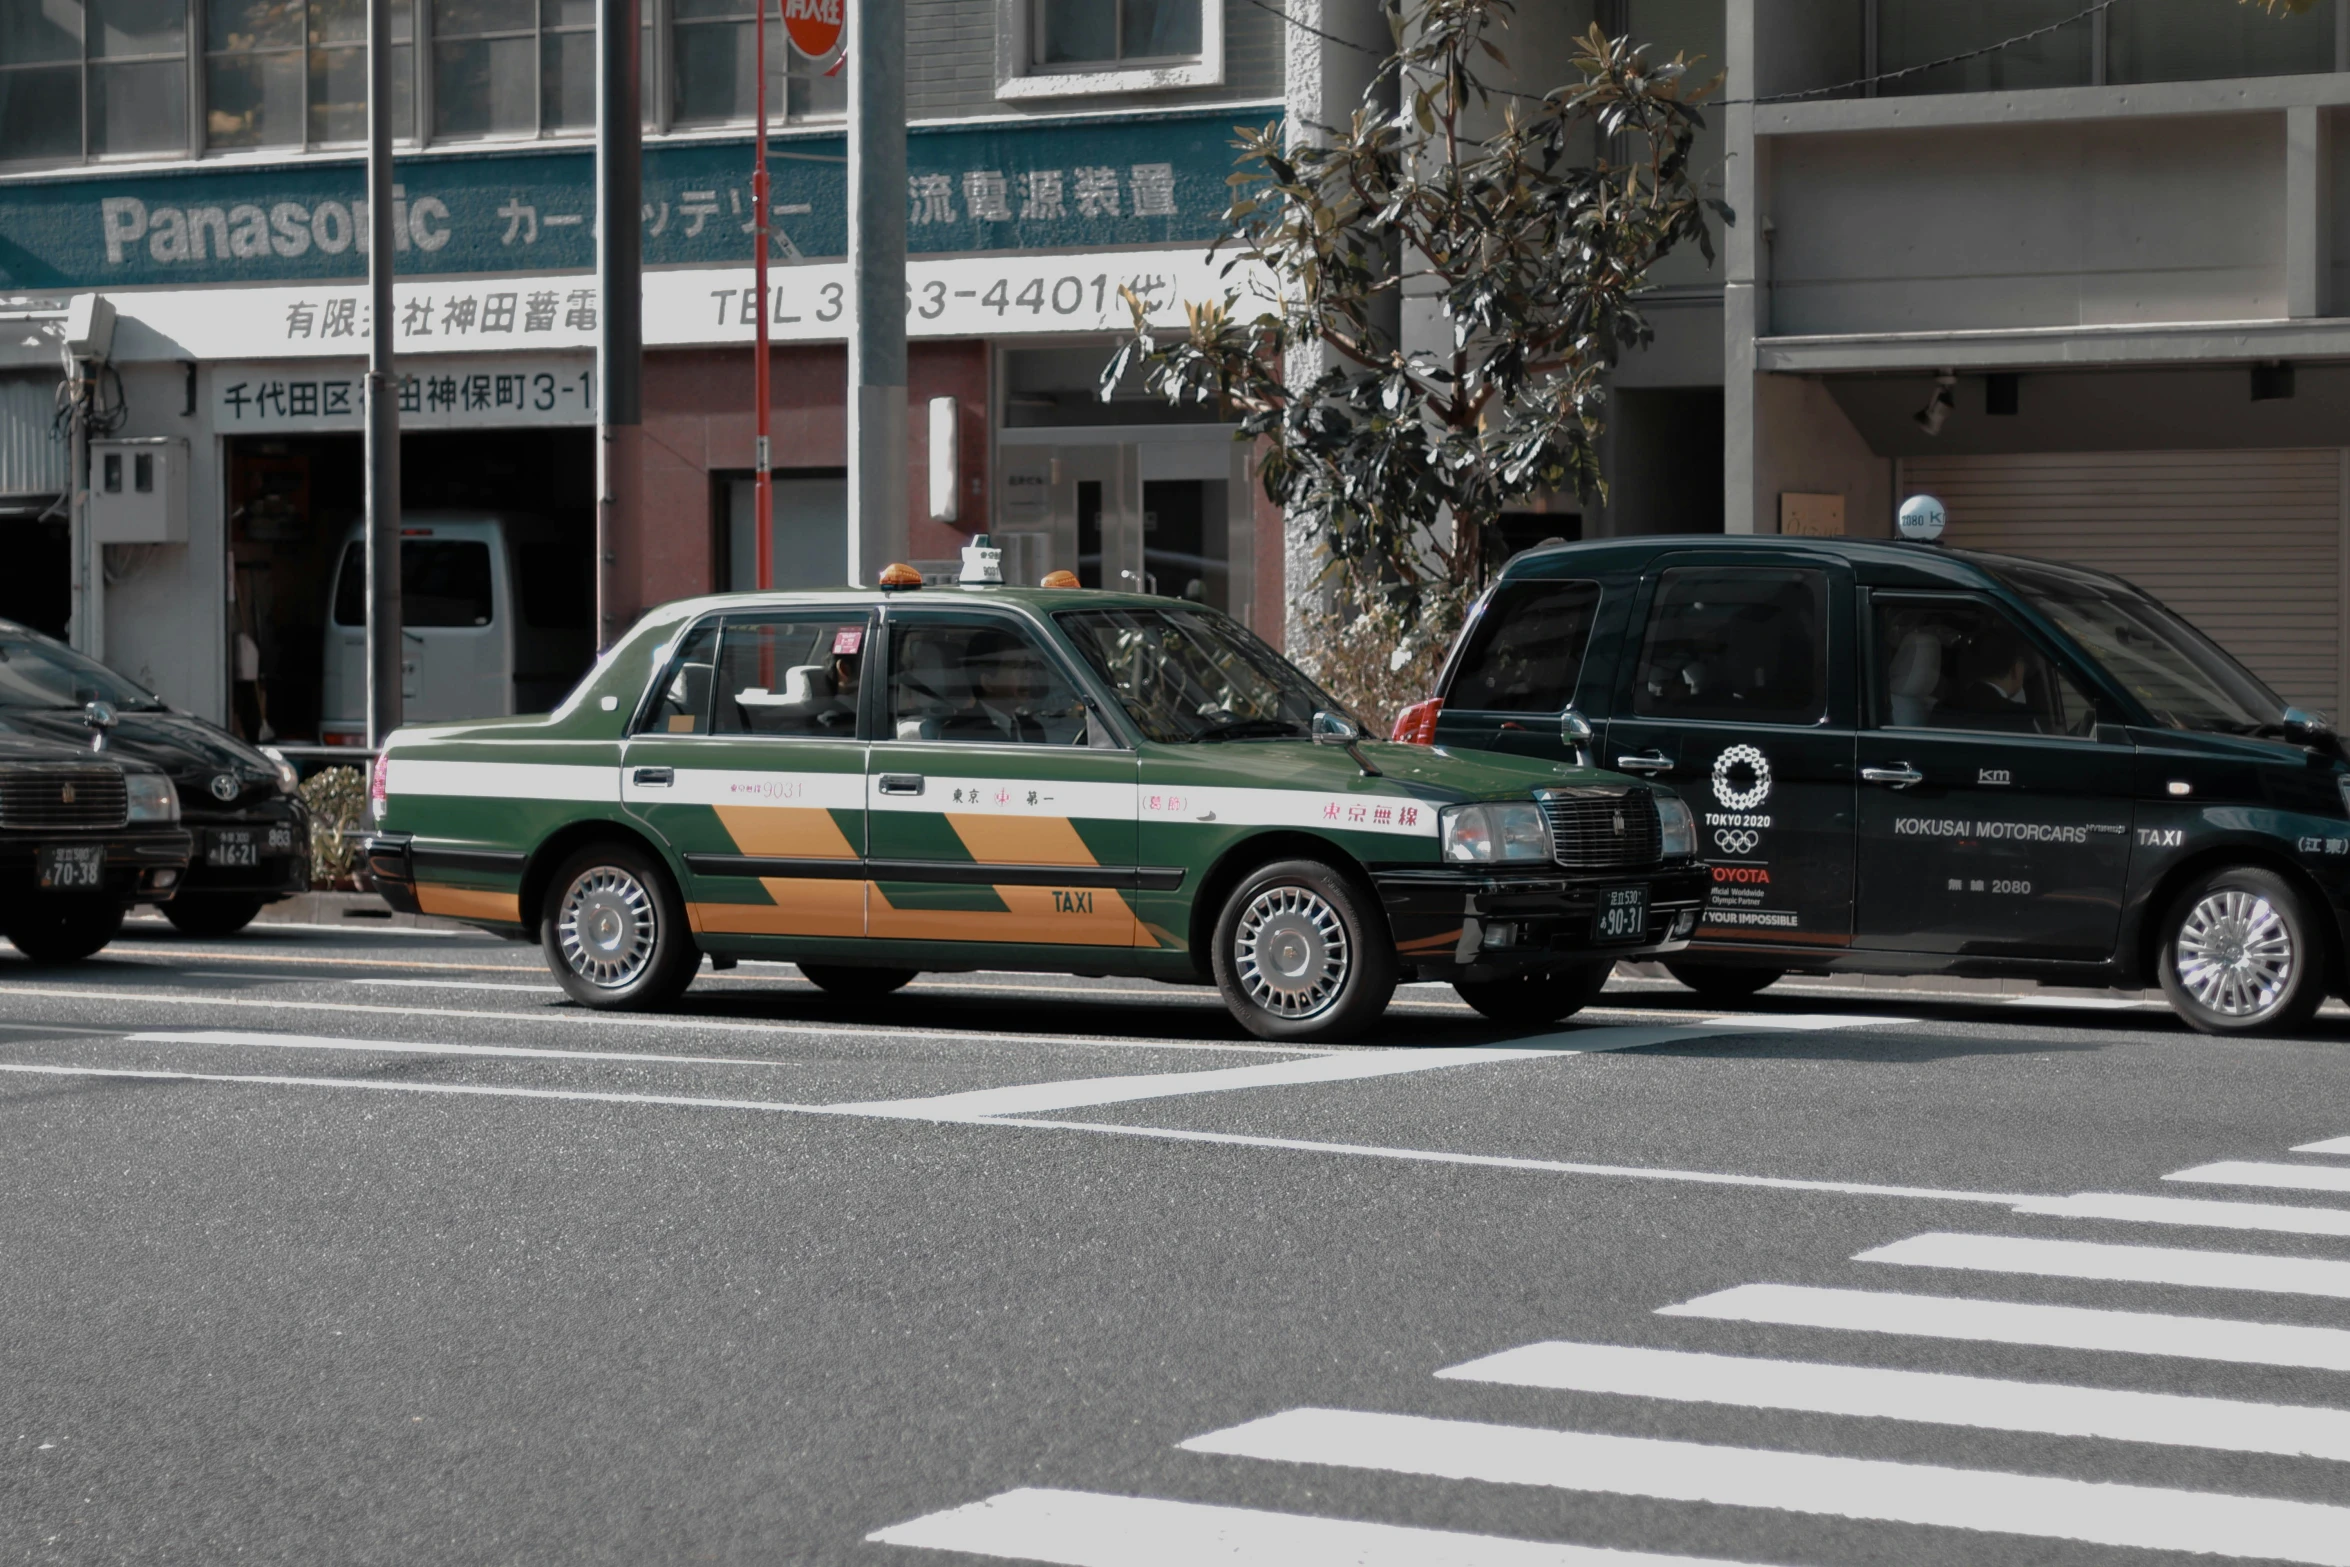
{"points": [[1907, 759], [83, 836]]}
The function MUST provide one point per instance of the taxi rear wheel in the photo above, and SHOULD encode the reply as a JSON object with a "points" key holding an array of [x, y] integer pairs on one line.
{"points": [[1723, 983], [64, 929], [2240, 954], [857, 984], [1537, 996], [211, 916], [614, 930], [1302, 953]]}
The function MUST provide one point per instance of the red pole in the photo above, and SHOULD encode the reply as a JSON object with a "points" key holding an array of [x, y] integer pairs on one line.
{"points": [[763, 484]]}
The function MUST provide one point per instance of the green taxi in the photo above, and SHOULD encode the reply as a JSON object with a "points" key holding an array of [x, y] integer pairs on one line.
{"points": [[871, 784]]}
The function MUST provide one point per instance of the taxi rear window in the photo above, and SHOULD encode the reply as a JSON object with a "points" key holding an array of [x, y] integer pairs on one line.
{"points": [[1526, 653]]}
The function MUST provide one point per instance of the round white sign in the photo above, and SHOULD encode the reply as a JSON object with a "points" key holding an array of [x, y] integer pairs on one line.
{"points": [[1922, 518]]}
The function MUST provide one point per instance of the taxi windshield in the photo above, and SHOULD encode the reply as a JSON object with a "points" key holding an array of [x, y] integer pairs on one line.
{"points": [[2184, 678], [1185, 675], [38, 673]]}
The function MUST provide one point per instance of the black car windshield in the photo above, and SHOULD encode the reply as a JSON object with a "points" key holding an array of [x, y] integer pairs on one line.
{"points": [[1192, 675], [2185, 679], [36, 672]]}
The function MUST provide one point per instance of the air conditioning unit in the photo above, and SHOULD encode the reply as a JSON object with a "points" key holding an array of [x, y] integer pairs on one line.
{"points": [[139, 491]]}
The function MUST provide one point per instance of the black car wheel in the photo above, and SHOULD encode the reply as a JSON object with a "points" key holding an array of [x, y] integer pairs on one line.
{"points": [[2240, 954], [1538, 996], [1303, 954], [614, 930], [857, 984], [212, 916], [1722, 984], [64, 930]]}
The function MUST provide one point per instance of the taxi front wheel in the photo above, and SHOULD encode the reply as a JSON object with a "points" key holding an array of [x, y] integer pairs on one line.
{"points": [[1303, 954], [1538, 996], [857, 984], [614, 930], [2240, 954]]}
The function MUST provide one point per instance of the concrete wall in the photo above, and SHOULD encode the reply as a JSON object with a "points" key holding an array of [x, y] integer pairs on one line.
{"points": [[2051, 225], [165, 623], [1804, 443], [2199, 408]]}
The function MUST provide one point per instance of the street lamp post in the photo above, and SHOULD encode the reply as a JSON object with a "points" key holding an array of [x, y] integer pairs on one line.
{"points": [[385, 652], [877, 273], [762, 476]]}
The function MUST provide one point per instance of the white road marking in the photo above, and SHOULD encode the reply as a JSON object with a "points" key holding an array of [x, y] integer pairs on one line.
{"points": [[2330, 1145], [371, 1085], [2012, 1322], [2119, 1264], [2280, 1177], [1986, 1501], [455, 984], [401, 1047], [1927, 1397], [2079, 1003], [1086, 1529], [2194, 1212]]}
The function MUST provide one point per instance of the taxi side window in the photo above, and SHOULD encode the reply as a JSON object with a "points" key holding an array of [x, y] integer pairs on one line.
{"points": [[1526, 653], [793, 678], [1740, 646], [979, 681], [683, 705], [1961, 663]]}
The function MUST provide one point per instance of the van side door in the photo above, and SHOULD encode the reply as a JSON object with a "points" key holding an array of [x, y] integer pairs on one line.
{"points": [[1995, 808], [1739, 694]]}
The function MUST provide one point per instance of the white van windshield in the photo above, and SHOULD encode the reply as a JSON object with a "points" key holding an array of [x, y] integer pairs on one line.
{"points": [[2183, 677], [443, 582]]}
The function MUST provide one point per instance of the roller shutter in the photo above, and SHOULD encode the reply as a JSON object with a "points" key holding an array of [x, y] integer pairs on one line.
{"points": [[2246, 544]]}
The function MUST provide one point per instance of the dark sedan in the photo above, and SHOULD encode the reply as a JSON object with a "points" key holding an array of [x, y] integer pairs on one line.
{"points": [[251, 830], [82, 838]]}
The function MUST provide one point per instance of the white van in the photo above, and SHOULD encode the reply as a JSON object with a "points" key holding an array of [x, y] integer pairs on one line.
{"points": [[497, 617]]}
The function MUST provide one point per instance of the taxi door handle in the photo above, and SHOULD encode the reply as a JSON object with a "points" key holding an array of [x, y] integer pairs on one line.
{"points": [[901, 783], [1900, 775], [1648, 761], [654, 777]]}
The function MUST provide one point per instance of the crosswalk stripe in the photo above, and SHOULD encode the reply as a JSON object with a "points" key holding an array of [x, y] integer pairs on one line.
{"points": [[2011, 1322], [2102, 1260], [2282, 1177], [2193, 1212], [1873, 1489], [2330, 1145], [1086, 1529], [1927, 1397]]}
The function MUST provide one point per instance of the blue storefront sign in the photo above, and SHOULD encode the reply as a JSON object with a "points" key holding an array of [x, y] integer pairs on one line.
{"points": [[1058, 186]]}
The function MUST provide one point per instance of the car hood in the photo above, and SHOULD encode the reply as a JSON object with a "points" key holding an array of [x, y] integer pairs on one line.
{"points": [[192, 751], [35, 748], [1436, 770]]}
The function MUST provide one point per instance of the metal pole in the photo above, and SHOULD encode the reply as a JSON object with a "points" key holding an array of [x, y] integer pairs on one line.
{"points": [[620, 342], [877, 272], [89, 559], [762, 479], [385, 708]]}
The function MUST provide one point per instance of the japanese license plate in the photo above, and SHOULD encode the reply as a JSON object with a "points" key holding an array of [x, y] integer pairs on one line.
{"points": [[233, 846], [1622, 914], [73, 865]]}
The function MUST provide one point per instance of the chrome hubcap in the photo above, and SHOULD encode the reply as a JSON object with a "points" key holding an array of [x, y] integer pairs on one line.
{"points": [[607, 927], [2235, 953], [1291, 952]]}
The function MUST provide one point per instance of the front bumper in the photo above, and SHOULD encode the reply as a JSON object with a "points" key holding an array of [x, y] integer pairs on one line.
{"points": [[276, 833], [141, 866], [1456, 922], [393, 869]]}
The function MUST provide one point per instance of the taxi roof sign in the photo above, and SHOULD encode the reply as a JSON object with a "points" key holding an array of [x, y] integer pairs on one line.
{"points": [[1922, 519], [897, 576]]}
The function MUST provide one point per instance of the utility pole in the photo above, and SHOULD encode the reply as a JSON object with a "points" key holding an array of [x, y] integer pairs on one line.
{"points": [[620, 341], [762, 473], [877, 273], [384, 639]]}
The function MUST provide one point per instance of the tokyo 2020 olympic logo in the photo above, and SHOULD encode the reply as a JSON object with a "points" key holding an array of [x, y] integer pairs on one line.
{"points": [[1742, 778], [1736, 840]]}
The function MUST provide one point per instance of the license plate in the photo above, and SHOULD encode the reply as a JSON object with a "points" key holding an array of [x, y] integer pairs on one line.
{"points": [[1622, 916], [281, 839], [73, 865], [233, 846]]}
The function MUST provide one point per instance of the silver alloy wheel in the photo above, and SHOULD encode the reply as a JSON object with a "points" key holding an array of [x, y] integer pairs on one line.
{"points": [[2235, 953], [1291, 953], [607, 927]]}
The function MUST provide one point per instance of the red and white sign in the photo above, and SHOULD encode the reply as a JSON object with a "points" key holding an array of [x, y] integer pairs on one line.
{"points": [[814, 26]]}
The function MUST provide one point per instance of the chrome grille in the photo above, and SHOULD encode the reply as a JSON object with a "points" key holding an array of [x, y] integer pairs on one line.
{"points": [[62, 797], [1600, 827]]}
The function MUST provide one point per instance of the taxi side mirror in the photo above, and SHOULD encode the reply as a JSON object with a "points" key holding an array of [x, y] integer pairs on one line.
{"points": [[1329, 728], [1575, 730], [2302, 726]]}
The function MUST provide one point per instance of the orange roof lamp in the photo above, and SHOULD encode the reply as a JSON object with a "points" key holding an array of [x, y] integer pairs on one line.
{"points": [[897, 577], [1060, 579]]}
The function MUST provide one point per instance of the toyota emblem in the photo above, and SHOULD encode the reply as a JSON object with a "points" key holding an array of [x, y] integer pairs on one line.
{"points": [[66, 794], [224, 786]]}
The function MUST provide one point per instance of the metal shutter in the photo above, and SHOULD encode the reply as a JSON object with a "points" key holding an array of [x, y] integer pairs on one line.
{"points": [[2246, 544]]}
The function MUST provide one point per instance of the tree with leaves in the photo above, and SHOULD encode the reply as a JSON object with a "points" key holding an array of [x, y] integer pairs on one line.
{"points": [[1524, 227]]}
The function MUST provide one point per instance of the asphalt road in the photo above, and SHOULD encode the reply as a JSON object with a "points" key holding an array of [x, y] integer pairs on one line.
{"points": [[333, 1248]]}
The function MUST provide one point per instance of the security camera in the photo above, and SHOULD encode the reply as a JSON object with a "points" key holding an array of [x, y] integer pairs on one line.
{"points": [[1938, 406]]}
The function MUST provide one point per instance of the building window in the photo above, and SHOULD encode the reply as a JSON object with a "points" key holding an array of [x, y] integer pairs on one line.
{"points": [[1913, 32], [106, 78], [2145, 41], [2164, 41], [713, 68], [1080, 48], [293, 73]]}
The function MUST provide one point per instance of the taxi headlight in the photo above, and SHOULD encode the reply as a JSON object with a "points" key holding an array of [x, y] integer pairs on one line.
{"points": [[1677, 829], [1493, 833], [152, 798], [2343, 783], [289, 779]]}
